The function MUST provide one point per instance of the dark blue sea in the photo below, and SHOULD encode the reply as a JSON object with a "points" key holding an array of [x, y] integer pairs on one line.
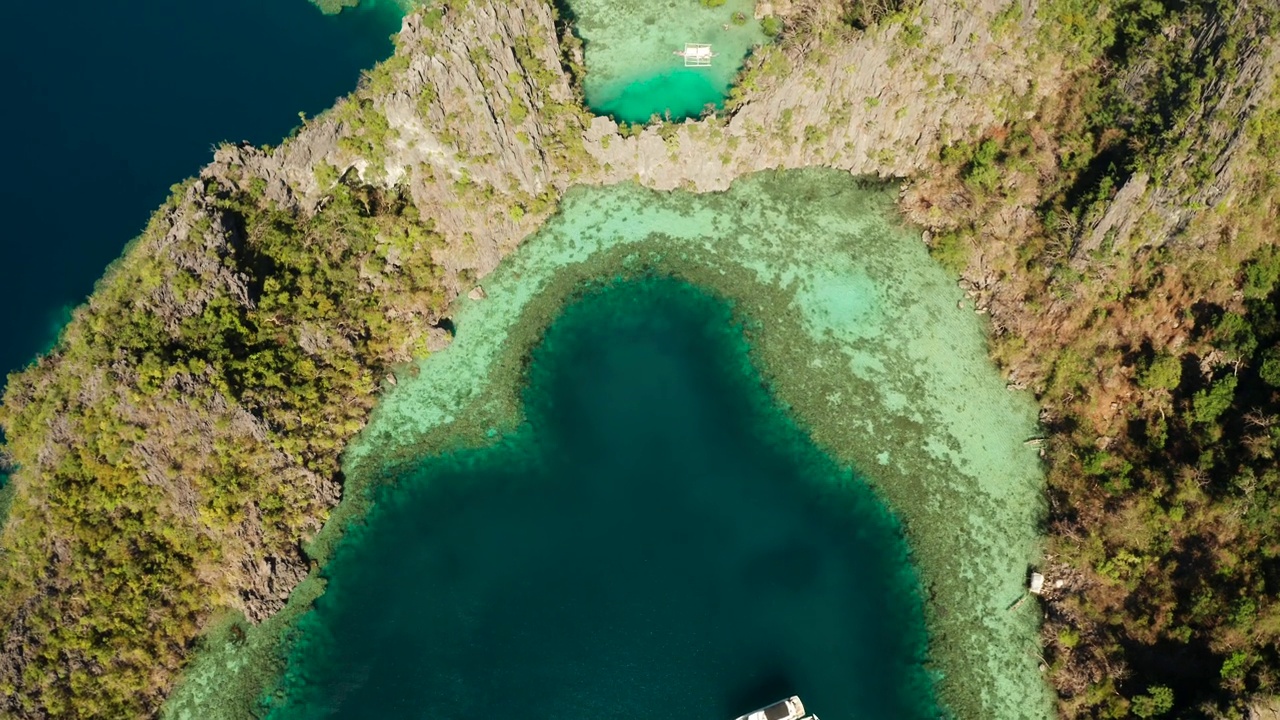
{"points": [[110, 104]]}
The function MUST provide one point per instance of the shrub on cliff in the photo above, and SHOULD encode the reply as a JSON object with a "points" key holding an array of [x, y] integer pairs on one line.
{"points": [[203, 394]]}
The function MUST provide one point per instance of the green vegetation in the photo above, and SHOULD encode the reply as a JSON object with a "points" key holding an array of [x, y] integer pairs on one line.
{"points": [[1157, 702], [333, 7], [1150, 112], [1174, 525], [1007, 18], [205, 389], [1163, 373], [864, 14], [980, 163], [370, 131]]}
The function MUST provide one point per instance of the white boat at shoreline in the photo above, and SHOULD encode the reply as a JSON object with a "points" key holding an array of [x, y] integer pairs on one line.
{"points": [[789, 709]]}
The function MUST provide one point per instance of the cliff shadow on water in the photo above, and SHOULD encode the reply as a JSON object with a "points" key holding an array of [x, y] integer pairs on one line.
{"points": [[867, 346]]}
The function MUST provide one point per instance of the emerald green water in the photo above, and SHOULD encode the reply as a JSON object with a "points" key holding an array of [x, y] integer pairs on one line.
{"points": [[631, 71], [656, 541], [679, 94]]}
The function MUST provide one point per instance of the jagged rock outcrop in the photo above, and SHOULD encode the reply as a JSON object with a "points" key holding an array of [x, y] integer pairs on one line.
{"points": [[1149, 209], [481, 116]]}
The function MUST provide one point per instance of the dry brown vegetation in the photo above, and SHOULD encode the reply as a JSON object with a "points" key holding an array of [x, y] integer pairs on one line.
{"points": [[1153, 354]]}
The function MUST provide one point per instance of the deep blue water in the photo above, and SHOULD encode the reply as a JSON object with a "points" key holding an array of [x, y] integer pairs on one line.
{"points": [[658, 541], [111, 103]]}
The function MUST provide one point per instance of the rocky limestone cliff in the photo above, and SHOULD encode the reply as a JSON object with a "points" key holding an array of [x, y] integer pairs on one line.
{"points": [[880, 103], [1159, 202]]}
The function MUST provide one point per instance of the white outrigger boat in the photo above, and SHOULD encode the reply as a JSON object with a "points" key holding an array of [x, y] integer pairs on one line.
{"points": [[696, 55], [789, 709]]}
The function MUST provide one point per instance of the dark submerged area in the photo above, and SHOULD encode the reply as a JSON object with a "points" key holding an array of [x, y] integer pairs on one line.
{"points": [[657, 540]]}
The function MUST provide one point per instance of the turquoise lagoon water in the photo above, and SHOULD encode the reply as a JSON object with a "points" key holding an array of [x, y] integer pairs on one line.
{"points": [[617, 511], [679, 94], [657, 541], [631, 71], [111, 103]]}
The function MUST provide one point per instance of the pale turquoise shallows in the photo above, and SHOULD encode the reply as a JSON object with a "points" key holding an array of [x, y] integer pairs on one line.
{"points": [[631, 71]]}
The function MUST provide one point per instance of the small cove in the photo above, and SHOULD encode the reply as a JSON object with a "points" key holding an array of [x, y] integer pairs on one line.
{"points": [[631, 73]]}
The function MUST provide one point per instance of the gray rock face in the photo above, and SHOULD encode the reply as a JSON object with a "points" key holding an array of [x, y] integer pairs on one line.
{"points": [[270, 582], [1147, 210], [878, 103]]}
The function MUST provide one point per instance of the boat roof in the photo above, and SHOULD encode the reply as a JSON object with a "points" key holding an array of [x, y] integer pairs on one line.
{"points": [[780, 710]]}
